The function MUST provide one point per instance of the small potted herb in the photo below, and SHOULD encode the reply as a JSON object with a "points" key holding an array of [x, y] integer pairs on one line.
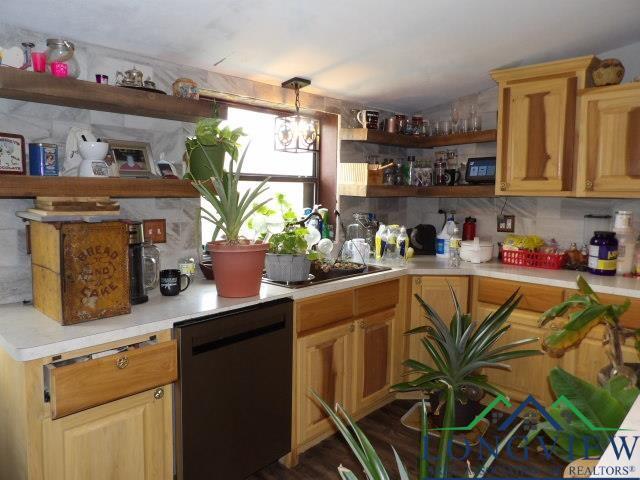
{"points": [[289, 258]]}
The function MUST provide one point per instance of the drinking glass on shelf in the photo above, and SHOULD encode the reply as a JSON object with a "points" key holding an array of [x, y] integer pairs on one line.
{"points": [[463, 125], [475, 123], [455, 117], [445, 127], [425, 130]]}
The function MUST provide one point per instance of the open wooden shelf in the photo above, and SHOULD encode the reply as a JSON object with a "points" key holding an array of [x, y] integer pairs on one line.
{"points": [[69, 92], [459, 191], [20, 186], [412, 141]]}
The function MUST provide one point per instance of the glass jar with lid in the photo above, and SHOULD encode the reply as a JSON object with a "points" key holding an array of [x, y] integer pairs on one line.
{"points": [[60, 50]]}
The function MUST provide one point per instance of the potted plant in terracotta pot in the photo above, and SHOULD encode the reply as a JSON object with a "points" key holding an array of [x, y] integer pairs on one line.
{"points": [[237, 262]]}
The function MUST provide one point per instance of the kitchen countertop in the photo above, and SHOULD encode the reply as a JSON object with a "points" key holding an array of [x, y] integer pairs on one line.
{"points": [[27, 334]]}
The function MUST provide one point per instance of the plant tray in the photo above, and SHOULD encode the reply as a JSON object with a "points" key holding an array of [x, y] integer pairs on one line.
{"points": [[527, 258]]}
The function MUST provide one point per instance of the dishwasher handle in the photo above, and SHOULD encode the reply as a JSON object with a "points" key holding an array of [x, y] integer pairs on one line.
{"points": [[238, 337]]}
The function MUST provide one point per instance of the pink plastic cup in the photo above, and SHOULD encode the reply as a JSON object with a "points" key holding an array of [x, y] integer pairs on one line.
{"points": [[59, 69], [39, 61]]}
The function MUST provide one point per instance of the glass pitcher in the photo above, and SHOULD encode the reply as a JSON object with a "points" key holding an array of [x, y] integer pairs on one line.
{"points": [[151, 273]]}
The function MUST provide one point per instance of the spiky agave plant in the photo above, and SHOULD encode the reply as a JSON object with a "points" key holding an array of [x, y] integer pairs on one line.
{"points": [[459, 352]]}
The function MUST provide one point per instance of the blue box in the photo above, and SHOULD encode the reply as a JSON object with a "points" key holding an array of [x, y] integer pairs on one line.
{"points": [[43, 159]]}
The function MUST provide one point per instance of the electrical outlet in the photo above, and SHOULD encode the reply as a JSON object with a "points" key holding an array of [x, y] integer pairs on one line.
{"points": [[155, 230], [506, 223]]}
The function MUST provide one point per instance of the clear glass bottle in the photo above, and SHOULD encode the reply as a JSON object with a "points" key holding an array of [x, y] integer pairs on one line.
{"points": [[390, 255], [403, 244], [455, 242]]}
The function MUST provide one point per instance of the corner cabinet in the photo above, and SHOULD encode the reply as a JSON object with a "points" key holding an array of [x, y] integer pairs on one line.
{"points": [[434, 290], [609, 150], [537, 126]]}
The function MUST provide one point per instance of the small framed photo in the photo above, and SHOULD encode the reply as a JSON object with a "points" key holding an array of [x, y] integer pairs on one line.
{"points": [[166, 170], [132, 158], [13, 160]]}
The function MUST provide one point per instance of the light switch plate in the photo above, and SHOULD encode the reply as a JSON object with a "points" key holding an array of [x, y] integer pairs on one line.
{"points": [[506, 223], [155, 230]]}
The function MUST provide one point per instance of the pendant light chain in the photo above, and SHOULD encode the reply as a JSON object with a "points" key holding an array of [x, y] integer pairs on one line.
{"points": [[297, 98]]}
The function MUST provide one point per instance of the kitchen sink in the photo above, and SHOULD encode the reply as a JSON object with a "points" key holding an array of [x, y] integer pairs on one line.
{"points": [[319, 277]]}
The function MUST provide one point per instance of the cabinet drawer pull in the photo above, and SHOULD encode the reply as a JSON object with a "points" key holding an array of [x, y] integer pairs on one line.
{"points": [[352, 327], [362, 324], [122, 362], [588, 185], [158, 394], [503, 186]]}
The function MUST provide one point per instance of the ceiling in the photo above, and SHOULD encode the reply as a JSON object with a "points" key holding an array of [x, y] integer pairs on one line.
{"points": [[402, 55]]}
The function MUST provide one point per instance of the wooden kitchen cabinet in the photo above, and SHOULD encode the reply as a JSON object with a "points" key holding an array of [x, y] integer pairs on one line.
{"points": [[115, 429], [324, 365], [537, 108], [609, 149], [374, 353], [434, 290], [121, 440], [347, 349]]}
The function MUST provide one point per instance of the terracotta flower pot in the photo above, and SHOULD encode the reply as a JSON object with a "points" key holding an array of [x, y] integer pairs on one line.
{"points": [[238, 268]]}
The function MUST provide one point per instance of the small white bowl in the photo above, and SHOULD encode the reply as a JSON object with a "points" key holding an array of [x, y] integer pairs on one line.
{"points": [[93, 150]]}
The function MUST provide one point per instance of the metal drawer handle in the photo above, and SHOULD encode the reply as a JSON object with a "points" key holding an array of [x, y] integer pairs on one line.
{"points": [[158, 394], [122, 362], [503, 186], [362, 324], [588, 185]]}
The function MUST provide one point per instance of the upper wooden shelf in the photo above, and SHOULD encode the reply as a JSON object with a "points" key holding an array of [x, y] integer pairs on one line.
{"points": [[381, 191], [69, 92], [412, 141], [19, 186]]}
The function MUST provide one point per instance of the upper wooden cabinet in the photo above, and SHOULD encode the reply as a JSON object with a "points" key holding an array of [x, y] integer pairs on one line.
{"points": [[609, 149], [537, 125]]}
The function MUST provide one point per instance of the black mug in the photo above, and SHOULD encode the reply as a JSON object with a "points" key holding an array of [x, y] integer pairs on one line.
{"points": [[171, 282]]}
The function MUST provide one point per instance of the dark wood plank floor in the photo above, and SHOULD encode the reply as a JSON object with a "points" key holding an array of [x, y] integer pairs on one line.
{"points": [[383, 428]]}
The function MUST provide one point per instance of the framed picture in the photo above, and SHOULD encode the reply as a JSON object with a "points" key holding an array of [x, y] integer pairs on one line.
{"points": [[12, 154], [166, 169], [132, 158]]}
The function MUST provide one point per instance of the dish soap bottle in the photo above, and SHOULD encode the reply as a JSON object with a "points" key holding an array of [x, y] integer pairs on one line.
{"points": [[443, 238], [381, 240]]}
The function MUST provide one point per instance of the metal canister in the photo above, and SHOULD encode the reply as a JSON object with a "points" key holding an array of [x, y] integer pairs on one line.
{"points": [[43, 159]]}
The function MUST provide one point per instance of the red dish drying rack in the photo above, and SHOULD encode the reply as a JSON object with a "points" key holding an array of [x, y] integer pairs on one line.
{"points": [[528, 258]]}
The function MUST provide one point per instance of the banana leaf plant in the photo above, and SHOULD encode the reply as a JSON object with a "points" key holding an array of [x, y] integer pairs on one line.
{"points": [[460, 351], [369, 460], [603, 407], [589, 312]]}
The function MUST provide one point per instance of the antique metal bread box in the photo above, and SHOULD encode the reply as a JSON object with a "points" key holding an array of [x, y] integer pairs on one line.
{"points": [[80, 270]]}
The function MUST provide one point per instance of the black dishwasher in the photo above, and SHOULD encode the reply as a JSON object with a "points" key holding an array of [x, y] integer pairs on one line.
{"points": [[233, 396]]}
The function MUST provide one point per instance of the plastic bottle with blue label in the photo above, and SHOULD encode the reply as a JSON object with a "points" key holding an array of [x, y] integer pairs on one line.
{"points": [[443, 238]]}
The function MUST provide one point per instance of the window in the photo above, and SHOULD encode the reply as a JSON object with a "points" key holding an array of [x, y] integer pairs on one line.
{"points": [[295, 175]]}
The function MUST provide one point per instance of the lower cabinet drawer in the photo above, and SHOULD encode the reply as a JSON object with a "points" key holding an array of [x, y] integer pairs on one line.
{"points": [[85, 384]]}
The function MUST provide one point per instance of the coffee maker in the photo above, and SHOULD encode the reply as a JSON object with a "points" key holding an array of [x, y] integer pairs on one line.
{"points": [[137, 289]]}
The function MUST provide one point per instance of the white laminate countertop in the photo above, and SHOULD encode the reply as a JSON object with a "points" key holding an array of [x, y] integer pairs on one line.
{"points": [[27, 334]]}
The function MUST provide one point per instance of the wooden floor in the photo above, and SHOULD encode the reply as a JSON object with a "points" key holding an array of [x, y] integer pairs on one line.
{"points": [[383, 428]]}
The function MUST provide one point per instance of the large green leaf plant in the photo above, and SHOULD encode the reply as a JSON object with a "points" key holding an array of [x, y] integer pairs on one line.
{"points": [[601, 412], [588, 311]]}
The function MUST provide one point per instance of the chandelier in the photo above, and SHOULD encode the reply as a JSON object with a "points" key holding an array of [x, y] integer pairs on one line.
{"points": [[296, 133]]}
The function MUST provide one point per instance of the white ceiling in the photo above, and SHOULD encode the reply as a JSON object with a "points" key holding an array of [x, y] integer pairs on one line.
{"points": [[402, 55]]}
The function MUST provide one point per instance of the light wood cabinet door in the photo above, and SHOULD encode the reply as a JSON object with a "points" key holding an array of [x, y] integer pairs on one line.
{"points": [[121, 440], [373, 358], [528, 375], [609, 150], [537, 122], [324, 364], [434, 290]]}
